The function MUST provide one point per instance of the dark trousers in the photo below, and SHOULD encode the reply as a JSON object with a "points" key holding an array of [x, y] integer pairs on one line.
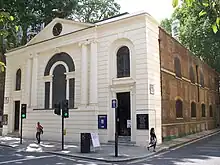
{"points": [[153, 145], [38, 137]]}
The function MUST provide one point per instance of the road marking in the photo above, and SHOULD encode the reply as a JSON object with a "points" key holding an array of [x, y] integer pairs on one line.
{"points": [[83, 161], [156, 155], [194, 141], [19, 160], [66, 158]]}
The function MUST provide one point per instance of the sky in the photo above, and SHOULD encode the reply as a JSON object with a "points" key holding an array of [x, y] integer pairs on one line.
{"points": [[159, 9]]}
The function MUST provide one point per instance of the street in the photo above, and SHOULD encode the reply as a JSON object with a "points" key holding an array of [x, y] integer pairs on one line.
{"points": [[204, 152], [10, 156]]}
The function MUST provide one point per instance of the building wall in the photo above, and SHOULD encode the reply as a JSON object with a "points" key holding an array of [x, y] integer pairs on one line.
{"points": [[139, 33], [174, 88]]}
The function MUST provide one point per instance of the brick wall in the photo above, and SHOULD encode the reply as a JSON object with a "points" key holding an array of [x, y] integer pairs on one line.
{"points": [[181, 88]]}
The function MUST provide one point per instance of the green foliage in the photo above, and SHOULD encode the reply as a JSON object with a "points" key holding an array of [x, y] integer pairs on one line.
{"points": [[208, 8], [196, 34], [7, 28], [166, 25], [34, 12]]}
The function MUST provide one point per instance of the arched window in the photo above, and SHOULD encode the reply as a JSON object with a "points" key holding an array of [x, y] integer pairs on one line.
{"points": [[58, 86], [123, 62], [201, 79], [203, 110], [210, 111], [18, 80], [179, 109], [193, 109], [177, 67], [192, 75]]}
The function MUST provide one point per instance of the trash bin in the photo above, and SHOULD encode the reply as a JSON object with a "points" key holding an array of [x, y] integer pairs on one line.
{"points": [[85, 142]]}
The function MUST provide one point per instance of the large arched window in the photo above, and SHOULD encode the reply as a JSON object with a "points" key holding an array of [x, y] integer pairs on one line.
{"points": [[193, 109], [177, 67], [123, 62], [192, 75], [203, 110], [210, 111], [18, 80], [59, 84], [58, 67], [179, 109]]}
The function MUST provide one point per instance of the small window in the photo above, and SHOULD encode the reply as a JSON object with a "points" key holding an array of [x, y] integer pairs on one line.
{"points": [[18, 80], [177, 66], [210, 111], [123, 62], [193, 109], [203, 110], [179, 109], [192, 75]]}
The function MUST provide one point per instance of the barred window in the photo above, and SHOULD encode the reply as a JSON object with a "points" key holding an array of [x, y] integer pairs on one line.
{"points": [[123, 62], [210, 111], [201, 79], [203, 110], [18, 80], [179, 109]]}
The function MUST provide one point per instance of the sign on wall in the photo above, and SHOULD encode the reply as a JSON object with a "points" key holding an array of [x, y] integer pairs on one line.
{"points": [[102, 121], [114, 103], [6, 100], [142, 121], [5, 119], [151, 89]]}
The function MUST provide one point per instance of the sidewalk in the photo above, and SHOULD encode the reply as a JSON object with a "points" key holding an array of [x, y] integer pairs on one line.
{"points": [[105, 152]]}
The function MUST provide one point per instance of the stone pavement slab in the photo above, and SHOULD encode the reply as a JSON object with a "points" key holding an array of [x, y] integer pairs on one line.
{"points": [[105, 152]]}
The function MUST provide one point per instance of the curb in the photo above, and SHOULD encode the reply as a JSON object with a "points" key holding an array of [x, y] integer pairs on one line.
{"points": [[134, 158]]}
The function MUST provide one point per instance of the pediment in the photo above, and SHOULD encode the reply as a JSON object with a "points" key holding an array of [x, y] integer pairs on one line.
{"points": [[66, 26]]}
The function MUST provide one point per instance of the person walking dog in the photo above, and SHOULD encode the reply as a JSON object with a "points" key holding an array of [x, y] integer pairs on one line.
{"points": [[153, 140]]}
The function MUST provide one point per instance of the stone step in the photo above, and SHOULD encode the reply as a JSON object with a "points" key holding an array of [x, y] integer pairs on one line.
{"points": [[14, 134]]}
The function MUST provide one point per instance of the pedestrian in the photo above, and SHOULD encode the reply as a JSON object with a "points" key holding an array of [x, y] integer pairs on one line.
{"points": [[39, 132], [153, 140]]}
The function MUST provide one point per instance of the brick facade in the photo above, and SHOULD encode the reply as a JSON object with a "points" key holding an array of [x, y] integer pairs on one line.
{"points": [[177, 84]]}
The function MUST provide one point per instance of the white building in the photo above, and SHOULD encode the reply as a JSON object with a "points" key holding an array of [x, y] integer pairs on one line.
{"points": [[88, 64]]}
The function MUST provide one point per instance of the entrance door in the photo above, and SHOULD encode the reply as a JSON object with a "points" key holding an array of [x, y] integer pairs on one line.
{"points": [[17, 115], [124, 113]]}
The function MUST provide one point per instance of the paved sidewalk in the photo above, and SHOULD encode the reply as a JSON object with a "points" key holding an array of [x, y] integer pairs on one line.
{"points": [[105, 152]]}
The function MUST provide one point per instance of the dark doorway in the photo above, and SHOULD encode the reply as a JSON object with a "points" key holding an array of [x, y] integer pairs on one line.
{"points": [[17, 116], [59, 84], [124, 113]]}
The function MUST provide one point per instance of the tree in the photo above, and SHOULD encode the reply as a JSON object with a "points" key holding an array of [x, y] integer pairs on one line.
{"points": [[208, 8], [196, 34], [166, 24], [32, 13], [6, 27], [95, 10]]}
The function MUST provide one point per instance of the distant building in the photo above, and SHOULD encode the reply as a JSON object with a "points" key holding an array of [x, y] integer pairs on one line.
{"points": [[91, 64]]}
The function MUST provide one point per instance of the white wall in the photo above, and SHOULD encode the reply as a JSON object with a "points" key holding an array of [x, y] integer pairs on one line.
{"points": [[140, 36]]}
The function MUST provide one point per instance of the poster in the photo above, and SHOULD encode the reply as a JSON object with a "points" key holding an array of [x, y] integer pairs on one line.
{"points": [[95, 139]]}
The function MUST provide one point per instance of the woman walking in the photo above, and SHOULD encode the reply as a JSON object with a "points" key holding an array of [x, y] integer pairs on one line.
{"points": [[39, 131], [153, 140]]}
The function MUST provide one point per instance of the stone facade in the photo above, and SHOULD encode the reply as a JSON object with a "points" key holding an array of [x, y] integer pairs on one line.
{"points": [[186, 79], [91, 78]]}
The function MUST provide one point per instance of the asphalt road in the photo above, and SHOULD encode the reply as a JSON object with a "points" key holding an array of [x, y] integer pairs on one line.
{"points": [[10, 156], [203, 152]]}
